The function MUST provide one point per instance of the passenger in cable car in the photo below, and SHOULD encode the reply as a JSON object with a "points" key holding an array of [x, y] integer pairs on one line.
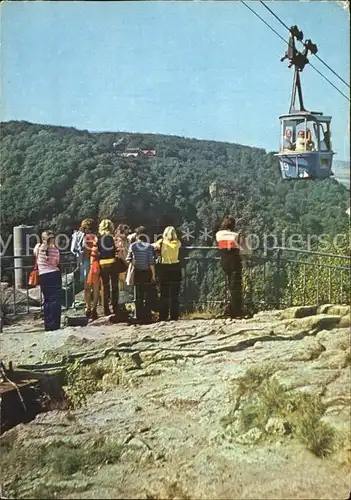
{"points": [[287, 139], [309, 143], [304, 141], [300, 143]]}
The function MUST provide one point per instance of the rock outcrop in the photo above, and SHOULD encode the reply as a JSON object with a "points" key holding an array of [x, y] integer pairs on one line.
{"points": [[255, 408]]}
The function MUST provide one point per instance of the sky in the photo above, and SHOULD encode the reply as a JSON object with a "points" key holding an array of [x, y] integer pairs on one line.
{"points": [[201, 69]]}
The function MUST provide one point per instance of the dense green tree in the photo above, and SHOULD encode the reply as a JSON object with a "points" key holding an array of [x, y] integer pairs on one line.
{"points": [[54, 176]]}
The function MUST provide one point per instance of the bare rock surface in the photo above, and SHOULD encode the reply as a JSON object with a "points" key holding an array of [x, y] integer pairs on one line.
{"points": [[169, 414]]}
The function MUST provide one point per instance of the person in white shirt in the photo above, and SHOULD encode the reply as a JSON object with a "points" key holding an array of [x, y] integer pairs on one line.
{"points": [[304, 142]]}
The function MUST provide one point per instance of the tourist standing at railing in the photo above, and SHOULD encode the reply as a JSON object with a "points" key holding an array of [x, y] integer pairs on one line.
{"points": [[169, 274], [48, 262], [122, 245], [104, 251], [121, 241], [141, 255], [81, 245], [228, 242]]}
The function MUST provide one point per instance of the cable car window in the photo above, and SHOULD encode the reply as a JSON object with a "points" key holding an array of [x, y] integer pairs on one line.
{"points": [[306, 136], [324, 144], [288, 137], [288, 134]]}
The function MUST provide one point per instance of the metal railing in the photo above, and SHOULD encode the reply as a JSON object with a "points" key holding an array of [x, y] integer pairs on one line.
{"points": [[280, 278], [308, 277]]}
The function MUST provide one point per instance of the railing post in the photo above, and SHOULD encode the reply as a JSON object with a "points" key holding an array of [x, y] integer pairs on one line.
{"points": [[329, 285], [304, 285], [278, 279], [66, 289], [20, 240], [341, 289], [74, 289], [185, 295]]}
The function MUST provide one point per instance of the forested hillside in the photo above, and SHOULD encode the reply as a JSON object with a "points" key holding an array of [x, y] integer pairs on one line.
{"points": [[54, 176], [342, 172]]}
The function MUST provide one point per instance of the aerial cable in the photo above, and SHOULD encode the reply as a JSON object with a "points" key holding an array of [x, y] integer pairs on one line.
{"points": [[319, 58], [261, 18], [274, 31], [331, 83]]}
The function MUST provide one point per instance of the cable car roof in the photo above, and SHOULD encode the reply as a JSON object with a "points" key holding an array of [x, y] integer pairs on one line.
{"points": [[311, 115]]}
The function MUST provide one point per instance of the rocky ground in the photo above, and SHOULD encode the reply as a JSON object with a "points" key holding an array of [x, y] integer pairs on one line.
{"points": [[246, 409]]}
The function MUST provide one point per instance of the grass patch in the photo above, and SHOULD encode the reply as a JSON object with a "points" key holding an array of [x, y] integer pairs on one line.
{"points": [[56, 461], [259, 398], [82, 380], [198, 315], [252, 379], [6, 308], [209, 311], [170, 490], [318, 436], [66, 460]]}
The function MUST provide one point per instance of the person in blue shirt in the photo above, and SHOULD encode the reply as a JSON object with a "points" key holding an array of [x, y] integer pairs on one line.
{"points": [[141, 255]]}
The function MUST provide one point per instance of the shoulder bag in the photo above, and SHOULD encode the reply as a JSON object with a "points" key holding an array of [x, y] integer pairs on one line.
{"points": [[33, 279]]}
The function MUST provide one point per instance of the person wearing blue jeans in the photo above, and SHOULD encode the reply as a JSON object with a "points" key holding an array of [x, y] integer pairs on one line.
{"points": [[48, 262], [50, 284]]}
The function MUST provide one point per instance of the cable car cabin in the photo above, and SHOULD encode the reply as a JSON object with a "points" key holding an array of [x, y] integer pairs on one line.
{"points": [[305, 141], [305, 146]]}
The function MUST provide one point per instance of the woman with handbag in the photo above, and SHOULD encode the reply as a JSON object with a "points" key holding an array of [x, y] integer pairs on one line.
{"points": [[48, 261], [170, 274]]}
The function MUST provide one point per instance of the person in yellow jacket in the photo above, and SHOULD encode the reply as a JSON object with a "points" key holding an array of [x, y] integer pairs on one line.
{"points": [[170, 274]]}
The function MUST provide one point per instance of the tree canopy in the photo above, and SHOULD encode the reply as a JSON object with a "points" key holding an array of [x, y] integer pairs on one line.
{"points": [[55, 176]]}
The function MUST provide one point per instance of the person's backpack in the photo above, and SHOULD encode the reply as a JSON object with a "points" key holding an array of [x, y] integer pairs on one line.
{"points": [[77, 243]]}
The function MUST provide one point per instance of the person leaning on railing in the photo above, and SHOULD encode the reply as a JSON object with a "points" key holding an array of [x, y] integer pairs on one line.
{"points": [[104, 251], [141, 255], [81, 245], [122, 246], [170, 274], [48, 261], [228, 244]]}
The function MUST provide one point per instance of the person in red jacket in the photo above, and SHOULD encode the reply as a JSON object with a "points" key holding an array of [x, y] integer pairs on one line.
{"points": [[82, 245]]}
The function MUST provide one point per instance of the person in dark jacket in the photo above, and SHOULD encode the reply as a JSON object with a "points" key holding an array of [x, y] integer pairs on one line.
{"points": [[104, 250], [141, 254], [228, 242]]}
